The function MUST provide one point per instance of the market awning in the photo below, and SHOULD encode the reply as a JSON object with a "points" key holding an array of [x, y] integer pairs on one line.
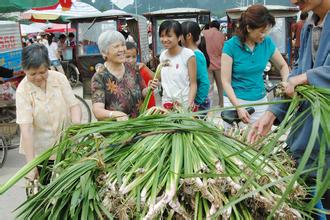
{"points": [[28, 29], [7, 6], [57, 13], [60, 28]]}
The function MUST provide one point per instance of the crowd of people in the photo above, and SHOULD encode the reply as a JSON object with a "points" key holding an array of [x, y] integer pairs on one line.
{"points": [[59, 47]]}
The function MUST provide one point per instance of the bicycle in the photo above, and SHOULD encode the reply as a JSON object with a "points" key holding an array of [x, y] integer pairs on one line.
{"points": [[8, 129], [85, 110], [71, 72], [3, 151]]}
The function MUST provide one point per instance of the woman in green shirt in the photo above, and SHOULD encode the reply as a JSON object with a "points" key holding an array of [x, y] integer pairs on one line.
{"points": [[244, 59]]}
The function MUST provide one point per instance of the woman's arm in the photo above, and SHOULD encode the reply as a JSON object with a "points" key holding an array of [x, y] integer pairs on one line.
{"points": [[192, 79], [226, 73], [75, 113], [27, 143], [280, 64], [101, 113]]}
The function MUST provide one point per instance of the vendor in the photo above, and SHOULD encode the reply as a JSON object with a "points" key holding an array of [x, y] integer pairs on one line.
{"points": [[313, 69]]}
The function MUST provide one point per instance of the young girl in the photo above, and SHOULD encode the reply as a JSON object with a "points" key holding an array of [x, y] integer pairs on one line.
{"points": [[179, 78], [191, 35], [146, 73]]}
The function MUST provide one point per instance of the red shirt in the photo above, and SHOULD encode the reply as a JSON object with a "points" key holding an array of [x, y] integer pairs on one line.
{"points": [[147, 77], [296, 29], [214, 43]]}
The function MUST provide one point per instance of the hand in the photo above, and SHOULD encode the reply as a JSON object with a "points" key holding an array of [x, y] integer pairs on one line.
{"points": [[34, 174], [120, 116], [193, 107], [153, 84], [261, 127], [243, 115], [1, 79], [289, 87]]}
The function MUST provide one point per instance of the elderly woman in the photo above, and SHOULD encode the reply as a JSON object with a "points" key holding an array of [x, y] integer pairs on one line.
{"points": [[45, 104], [244, 58], [118, 91]]}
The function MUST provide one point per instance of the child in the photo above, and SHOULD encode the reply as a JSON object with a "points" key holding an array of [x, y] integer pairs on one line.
{"points": [[146, 73], [179, 78], [191, 35]]}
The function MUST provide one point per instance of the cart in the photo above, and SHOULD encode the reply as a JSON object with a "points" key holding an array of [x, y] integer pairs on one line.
{"points": [[89, 28]]}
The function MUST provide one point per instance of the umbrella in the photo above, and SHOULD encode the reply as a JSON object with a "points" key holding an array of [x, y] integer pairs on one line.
{"points": [[42, 26], [28, 29], [62, 28], [77, 9], [7, 6]]}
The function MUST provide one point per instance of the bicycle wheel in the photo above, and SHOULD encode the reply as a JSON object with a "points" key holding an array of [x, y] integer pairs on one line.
{"points": [[72, 73], [3, 151], [85, 110]]}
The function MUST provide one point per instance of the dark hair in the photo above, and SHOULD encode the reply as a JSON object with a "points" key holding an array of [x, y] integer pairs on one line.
{"points": [[169, 25], [50, 38], [215, 24], [206, 27], [202, 47], [71, 35], [131, 45], [191, 27], [62, 36], [125, 34], [255, 16], [34, 56], [303, 15]]}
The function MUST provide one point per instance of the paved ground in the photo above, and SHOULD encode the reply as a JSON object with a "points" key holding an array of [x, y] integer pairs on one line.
{"points": [[16, 195]]}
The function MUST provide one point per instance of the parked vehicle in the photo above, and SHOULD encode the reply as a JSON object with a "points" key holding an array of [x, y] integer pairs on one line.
{"points": [[89, 28], [201, 16], [10, 45], [281, 33]]}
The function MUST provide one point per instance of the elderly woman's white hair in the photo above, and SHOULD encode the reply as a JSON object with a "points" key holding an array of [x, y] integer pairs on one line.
{"points": [[107, 38]]}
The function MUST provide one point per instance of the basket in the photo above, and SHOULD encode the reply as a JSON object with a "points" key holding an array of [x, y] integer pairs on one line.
{"points": [[8, 130], [7, 103]]}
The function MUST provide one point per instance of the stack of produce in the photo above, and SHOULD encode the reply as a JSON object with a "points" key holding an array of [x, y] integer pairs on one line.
{"points": [[166, 166]]}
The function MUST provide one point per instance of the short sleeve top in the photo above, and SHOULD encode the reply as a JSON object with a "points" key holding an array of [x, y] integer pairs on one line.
{"points": [[175, 78], [248, 67], [123, 94], [48, 112], [203, 82]]}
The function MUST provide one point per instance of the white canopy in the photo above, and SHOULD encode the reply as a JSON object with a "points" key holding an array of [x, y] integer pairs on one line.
{"points": [[77, 9], [28, 29]]}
